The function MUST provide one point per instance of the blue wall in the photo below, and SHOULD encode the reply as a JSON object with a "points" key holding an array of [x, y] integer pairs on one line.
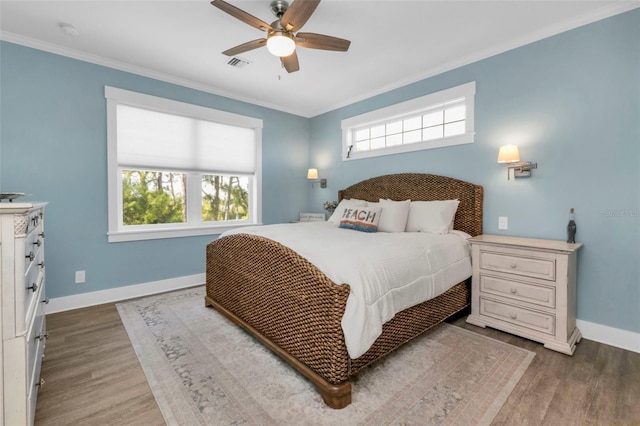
{"points": [[571, 103], [53, 135]]}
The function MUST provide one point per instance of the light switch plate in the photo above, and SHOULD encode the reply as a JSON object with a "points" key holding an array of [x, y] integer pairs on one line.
{"points": [[503, 222]]}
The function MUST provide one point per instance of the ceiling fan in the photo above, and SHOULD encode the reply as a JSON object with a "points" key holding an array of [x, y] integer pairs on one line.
{"points": [[282, 37]]}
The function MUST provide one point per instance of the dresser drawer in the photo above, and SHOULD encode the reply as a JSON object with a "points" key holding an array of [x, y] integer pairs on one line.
{"points": [[36, 383], [538, 321], [529, 266], [29, 294], [34, 219], [32, 247], [36, 339], [32, 279], [28, 285], [35, 343], [519, 290]]}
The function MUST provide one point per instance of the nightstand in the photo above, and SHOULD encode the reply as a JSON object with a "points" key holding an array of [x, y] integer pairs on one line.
{"points": [[526, 287], [312, 217]]}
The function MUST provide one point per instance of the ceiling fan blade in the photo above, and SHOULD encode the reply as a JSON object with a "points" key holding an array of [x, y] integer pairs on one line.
{"points": [[297, 14], [290, 62], [324, 42], [241, 15], [245, 47]]}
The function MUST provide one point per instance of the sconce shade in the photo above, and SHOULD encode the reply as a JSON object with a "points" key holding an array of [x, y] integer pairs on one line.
{"points": [[312, 174], [508, 154]]}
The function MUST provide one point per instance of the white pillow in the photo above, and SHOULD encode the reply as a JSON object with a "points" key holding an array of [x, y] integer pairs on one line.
{"points": [[345, 204], [432, 216], [394, 214]]}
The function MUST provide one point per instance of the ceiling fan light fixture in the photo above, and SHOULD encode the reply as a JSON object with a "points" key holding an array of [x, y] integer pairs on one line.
{"points": [[280, 43], [283, 34]]}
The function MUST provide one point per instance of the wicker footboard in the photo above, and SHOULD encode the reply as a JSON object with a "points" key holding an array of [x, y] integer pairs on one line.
{"points": [[413, 321], [283, 297], [296, 311]]}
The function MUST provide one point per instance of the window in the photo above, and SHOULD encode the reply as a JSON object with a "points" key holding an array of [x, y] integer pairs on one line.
{"points": [[176, 169], [440, 119]]}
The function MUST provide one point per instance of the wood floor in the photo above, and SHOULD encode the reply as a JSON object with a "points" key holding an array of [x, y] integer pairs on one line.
{"points": [[91, 372], [93, 378]]}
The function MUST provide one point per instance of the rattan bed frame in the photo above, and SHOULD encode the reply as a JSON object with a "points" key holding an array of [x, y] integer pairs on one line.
{"points": [[294, 309]]}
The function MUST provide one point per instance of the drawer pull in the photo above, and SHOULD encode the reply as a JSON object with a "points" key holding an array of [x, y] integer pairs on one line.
{"points": [[513, 290], [42, 234], [33, 287], [41, 264], [513, 315], [38, 243], [40, 384], [45, 301], [30, 256], [42, 336]]}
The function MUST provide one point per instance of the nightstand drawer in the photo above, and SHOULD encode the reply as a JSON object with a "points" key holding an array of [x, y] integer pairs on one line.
{"points": [[518, 290], [537, 321], [530, 266]]}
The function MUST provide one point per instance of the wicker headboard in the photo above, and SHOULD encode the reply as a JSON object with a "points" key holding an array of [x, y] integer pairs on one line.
{"points": [[424, 187]]}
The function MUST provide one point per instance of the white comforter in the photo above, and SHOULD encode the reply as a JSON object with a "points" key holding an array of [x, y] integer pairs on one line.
{"points": [[387, 272]]}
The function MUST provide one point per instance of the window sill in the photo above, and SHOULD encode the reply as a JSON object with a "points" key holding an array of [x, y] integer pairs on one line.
{"points": [[156, 234], [411, 147]]}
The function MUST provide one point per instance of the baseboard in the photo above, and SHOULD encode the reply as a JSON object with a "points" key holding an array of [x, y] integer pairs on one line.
{"points": [[67, 303], [622, 339]]}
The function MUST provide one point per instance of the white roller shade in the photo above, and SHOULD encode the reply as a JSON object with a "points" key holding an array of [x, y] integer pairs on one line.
{"points": [[150, 139]]}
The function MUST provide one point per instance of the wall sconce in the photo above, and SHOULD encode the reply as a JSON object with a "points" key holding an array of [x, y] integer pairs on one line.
{"points": [[312, 175], [509, 154]]}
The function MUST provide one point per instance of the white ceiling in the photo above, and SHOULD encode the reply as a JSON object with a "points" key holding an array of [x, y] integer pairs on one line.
{"points": [[393, 42]]}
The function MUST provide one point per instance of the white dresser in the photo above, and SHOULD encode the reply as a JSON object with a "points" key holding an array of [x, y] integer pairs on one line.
{"points": [[526, 287], [23, 301]]}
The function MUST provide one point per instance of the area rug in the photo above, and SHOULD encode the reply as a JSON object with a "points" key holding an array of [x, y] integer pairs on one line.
{"points": [[204, 370]]}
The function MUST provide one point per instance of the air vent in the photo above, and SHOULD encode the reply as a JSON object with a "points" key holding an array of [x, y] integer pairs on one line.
{"points": [[238, 62]]}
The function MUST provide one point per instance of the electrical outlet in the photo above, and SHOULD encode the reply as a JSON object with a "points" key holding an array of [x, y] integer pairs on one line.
{"points": [[503, 222], [80, 277]]}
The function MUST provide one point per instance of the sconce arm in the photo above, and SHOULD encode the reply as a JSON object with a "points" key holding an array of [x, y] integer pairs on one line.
{"points": [[524, 166], [521, 169]]}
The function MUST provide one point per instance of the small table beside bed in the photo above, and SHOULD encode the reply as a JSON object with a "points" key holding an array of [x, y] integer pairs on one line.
{"points": [[329, 313]]}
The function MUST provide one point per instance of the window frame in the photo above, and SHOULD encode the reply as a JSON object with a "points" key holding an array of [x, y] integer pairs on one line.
{"points": [[407, 109], [117, 232]]}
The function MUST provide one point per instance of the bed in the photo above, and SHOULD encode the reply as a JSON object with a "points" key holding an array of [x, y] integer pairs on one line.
{"points": [[294, 309]]}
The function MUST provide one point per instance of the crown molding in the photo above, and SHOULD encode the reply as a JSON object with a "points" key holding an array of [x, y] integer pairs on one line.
{"points": [[597, 15], [133, 69], [604, 12]]}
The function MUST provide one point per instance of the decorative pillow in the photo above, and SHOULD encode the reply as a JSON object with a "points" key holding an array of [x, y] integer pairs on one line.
{"points": [[432, 216], [394, 215], [344, 204], [363, 219]]}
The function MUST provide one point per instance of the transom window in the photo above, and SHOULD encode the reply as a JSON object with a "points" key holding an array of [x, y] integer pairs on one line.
{"points": [[177, 169], [440, 119]]}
